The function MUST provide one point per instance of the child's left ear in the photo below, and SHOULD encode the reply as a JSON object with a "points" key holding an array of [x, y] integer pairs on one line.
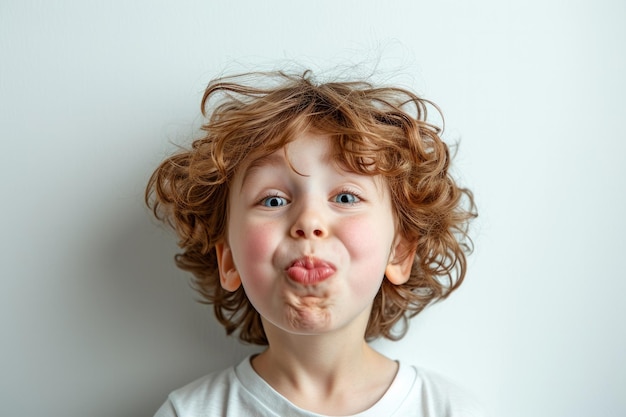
{"points": [[398, 269]]}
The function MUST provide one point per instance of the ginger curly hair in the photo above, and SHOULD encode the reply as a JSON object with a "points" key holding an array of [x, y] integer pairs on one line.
{"points": [[374, 131]]}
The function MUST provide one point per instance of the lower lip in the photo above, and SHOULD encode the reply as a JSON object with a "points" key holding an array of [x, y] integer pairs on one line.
{"points": [[310, 276]]}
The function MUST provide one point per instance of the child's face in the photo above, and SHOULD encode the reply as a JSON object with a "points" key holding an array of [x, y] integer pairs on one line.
{"points": [[309, 242]]}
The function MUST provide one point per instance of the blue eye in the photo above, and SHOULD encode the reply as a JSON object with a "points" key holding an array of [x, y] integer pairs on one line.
{"points": [[274, 201], [346, 198]]}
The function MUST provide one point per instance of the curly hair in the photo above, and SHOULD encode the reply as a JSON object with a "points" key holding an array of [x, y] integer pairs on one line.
{"points": [[374, 131]]}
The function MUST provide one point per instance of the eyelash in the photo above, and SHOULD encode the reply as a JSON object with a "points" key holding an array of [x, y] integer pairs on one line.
{"points": [[273, 195], [355, 194]]}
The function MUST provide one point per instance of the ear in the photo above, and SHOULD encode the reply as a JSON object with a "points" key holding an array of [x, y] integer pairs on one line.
{"points": [[398, 269], [229, 277]]}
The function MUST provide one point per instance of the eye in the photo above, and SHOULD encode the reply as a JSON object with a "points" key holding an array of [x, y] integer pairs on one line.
{"points": [[346, 197], [274, 201]]}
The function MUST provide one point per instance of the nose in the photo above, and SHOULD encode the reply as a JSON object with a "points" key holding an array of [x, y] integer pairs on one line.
{"points": [[309, 223]]}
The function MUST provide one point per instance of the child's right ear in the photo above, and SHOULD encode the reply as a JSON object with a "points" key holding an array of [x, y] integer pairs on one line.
{"points": [[229, 277]]}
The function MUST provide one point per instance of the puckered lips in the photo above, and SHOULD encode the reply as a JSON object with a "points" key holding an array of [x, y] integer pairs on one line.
{"points": [[309, 270]]}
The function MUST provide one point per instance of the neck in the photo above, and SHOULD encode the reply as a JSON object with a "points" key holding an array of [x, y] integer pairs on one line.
{"points": [[324, 373]]}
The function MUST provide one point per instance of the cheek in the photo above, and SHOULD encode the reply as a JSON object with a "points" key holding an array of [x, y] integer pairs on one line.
{"points": [[368, 248], [366, 239], [253, 254], [254, 247]]}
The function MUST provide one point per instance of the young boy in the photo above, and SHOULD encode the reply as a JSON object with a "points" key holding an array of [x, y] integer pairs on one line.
{"points": [[315, 218]]}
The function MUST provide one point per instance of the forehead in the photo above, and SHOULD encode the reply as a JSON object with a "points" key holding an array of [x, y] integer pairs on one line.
{"points": [[309, 154], [300, 154]]}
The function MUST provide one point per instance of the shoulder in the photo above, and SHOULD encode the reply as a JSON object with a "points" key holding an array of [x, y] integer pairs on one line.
{"points": [[208, 396], [235, 391], [438, 396]]}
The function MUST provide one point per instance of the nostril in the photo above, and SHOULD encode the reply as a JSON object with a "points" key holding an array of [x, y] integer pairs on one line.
{"points": [[300, 233], [317, 232]]}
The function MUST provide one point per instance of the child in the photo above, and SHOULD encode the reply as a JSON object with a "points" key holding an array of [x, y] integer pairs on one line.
{"points": [[315, 218]]}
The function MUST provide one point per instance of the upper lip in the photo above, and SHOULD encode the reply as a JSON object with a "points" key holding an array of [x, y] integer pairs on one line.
{"points": [[311, 262]]}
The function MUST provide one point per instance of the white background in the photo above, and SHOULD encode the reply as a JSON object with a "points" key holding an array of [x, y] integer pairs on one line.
{"points": [[96, 321]]}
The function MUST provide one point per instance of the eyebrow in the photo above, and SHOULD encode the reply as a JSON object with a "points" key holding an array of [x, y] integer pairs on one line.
{"points": [[271, 159]]}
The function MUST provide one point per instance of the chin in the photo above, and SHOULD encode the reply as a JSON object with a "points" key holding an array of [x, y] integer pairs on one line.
{"points": [[305, 319]]}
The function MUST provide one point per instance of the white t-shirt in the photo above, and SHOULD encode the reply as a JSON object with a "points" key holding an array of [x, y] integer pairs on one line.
{"points": [[240, 391]]}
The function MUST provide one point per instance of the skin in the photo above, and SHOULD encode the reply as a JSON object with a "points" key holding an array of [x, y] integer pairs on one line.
{"points": [[311, 244]]}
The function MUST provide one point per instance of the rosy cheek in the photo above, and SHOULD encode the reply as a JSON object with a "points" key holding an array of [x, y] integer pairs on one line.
{"points": [[362, 239], [368, 244], [256, 246], [255, 249], [253, 243]]}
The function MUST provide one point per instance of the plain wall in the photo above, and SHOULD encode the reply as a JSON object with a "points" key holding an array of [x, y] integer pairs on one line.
{"points": [[96, 320]]}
